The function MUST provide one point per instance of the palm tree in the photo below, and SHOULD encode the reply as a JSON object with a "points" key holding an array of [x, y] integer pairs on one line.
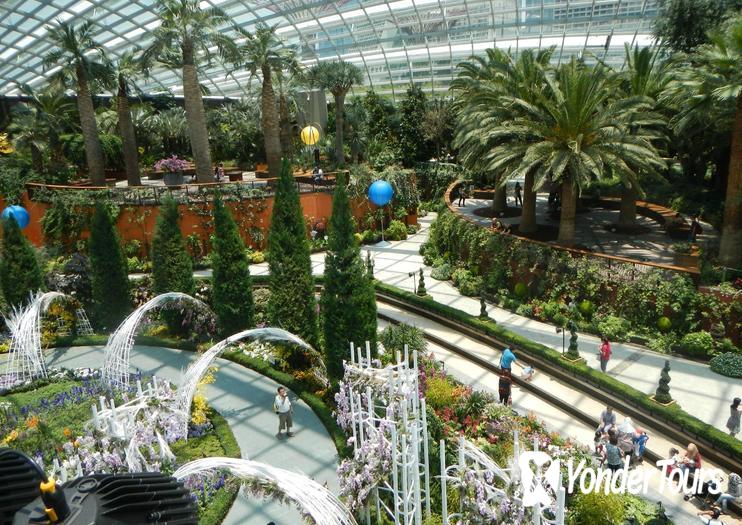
{"points": [[28, 131], [570, 133], [187, 38], [337, 77], [711, 84], [82, 60], [264, 52], [645, 75], [484, 86], [128, 67]]}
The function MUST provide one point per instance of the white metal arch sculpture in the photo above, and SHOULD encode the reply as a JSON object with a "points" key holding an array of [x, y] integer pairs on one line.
{"points": [[195, 372], [115, 370], [314, 500], [26, 359]]}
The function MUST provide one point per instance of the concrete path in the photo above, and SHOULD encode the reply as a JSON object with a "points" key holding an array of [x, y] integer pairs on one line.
{"points": [[244, 398], [682, 512], [590, 231], [696, 388]]}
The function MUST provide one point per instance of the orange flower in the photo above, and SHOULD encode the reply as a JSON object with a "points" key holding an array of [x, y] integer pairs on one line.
{"points": [[32, 422], [67, 433]]}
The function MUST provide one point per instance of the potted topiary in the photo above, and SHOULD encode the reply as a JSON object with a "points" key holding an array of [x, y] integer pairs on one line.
{"points": [[172, 167], [662, 394]]}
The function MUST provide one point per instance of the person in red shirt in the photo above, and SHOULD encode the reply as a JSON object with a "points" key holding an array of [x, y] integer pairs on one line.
{"points": [[605, 352]]}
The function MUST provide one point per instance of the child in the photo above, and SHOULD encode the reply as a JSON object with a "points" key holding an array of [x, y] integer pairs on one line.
{"points": [[674, 455], [640, 444], [527, 373], [600, 451]]}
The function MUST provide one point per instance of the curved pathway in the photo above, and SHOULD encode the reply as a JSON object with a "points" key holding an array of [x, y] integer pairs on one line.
{"points": [[244, 398], [697, 389]]}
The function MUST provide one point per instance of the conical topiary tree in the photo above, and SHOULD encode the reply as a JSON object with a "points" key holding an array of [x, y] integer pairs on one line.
{"points": [[662, 394], [348, 300], [421, 284], [19, 271], [109, 274], [369, 264], [292, 305], [232, 293], [572, 351], [172, 268]]}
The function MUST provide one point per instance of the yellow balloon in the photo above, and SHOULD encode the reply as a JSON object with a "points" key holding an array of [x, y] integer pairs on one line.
{"points": [[310, 135]]}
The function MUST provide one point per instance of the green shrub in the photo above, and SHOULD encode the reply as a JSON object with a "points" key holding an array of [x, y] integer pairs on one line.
{"points": [[664, 324], [586, 308], [596, 508], [471, 286], [612, 327], [521, 290], [728, 364], [397, 231], [550, 309], [460, 274], [370, 237], [442, 272], [697, 344], [395, 336], [525, 310], [440, 393]]}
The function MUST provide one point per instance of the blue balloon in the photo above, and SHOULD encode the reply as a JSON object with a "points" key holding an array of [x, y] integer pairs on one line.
{"points": [[380, 192], [18, 213]]}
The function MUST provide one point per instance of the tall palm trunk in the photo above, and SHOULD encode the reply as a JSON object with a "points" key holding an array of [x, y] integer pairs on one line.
{"points": [[37, 159], [730, 250], [93, 151], [500, 198], [196, 117], [285, 126], [567, 218], [339, 112], [269, 121], [128, 136], [528, 213], [627, 214]]}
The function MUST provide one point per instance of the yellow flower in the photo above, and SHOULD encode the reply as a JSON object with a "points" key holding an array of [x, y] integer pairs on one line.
{"points": [[67, 433], [11, 437]]}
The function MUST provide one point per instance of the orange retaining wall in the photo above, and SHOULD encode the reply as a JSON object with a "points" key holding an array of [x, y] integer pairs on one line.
{"points": [[137, 222]]}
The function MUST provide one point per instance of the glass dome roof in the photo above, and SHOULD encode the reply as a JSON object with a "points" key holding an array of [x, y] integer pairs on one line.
{"points": [[395, 42]]}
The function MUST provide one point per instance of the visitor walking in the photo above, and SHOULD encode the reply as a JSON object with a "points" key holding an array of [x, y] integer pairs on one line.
{"points": [[507, 359], [218, 172], [734, 413], [518, 196], [605, 352], [733, 492], [463, 194], [607, 420], [504, 387], [613, 454], [282, 407], [695, 229]]}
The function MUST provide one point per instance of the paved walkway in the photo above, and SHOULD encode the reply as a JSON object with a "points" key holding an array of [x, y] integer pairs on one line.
{"points": [[590, 231], [682, 512], [696, 388], [244, 398]]}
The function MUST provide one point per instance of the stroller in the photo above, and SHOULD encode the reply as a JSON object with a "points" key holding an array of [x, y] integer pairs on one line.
{"points": [[703, 493]]}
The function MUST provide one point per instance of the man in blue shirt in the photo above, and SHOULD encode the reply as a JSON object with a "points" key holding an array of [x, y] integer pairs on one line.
{"points": [[506, 361]]}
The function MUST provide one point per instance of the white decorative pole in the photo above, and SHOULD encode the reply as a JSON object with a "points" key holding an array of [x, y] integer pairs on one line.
{"points": [[444, 476]]}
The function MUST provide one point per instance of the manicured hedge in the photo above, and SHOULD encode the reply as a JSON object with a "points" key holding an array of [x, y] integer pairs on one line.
{"points": [[673, 413], [224, 497], [141, 340]]}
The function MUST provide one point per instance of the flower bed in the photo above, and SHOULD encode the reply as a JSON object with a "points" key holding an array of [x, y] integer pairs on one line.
{"points": [[48, 420]]}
